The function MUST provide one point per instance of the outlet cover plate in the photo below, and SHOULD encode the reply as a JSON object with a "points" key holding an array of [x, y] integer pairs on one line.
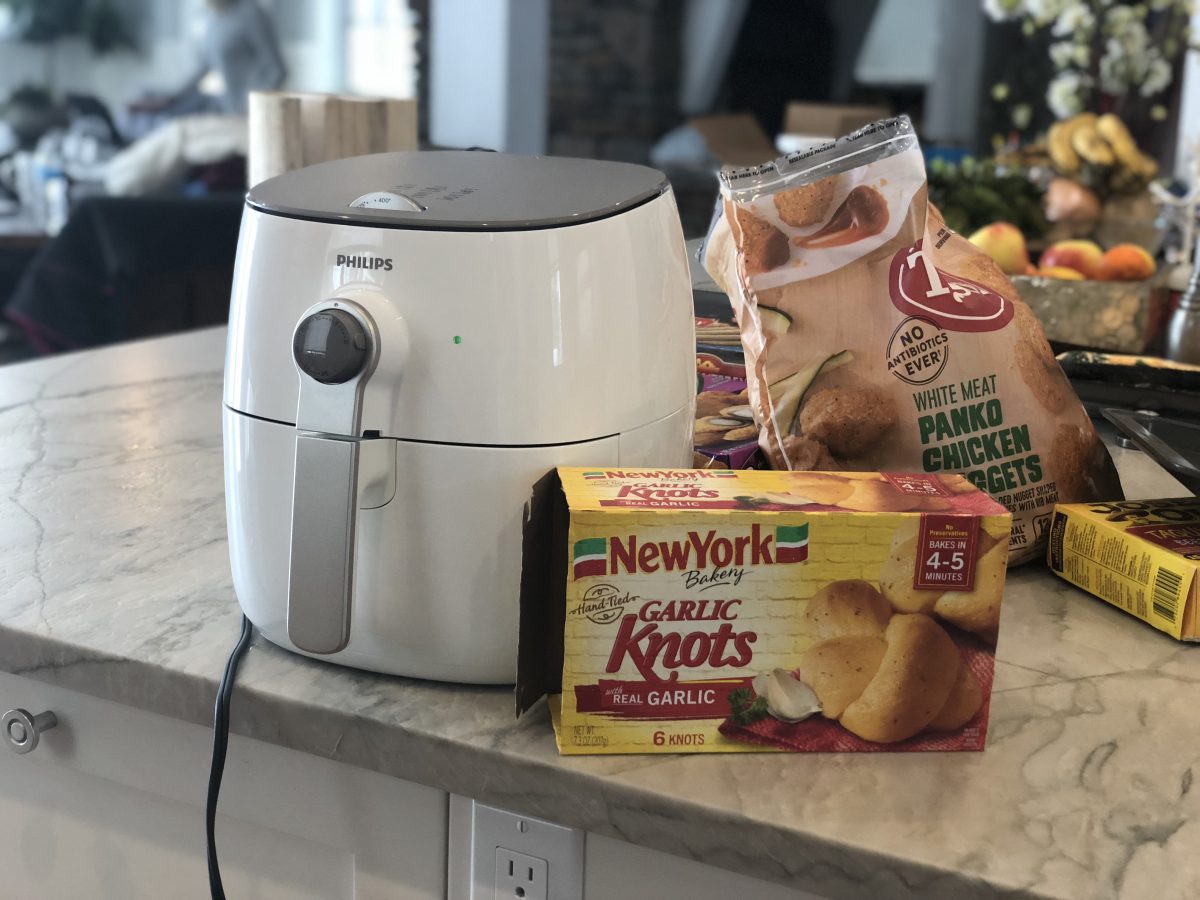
{"points": [[478, 831]]}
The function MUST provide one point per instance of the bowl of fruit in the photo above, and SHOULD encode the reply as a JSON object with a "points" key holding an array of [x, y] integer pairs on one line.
{"points": [[1073, 225], [1084, 295]]}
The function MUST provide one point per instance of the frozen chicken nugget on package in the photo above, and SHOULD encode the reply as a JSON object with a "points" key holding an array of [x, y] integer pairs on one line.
{"points": [[878, 339]]}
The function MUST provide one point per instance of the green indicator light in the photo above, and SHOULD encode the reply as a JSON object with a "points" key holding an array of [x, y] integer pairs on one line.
{"points": [[458, 339]]}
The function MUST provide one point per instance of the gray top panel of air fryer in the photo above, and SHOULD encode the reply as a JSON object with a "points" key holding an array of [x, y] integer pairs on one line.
{"points": [[458, 190]]}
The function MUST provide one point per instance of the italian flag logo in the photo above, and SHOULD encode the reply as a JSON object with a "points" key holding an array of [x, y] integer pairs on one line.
{"points": [[593, 476], [791, 543], [590, 557]]}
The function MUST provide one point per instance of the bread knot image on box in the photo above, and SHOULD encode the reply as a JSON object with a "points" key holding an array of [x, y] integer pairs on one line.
{"points": [[883, 663], [976, 610], [851, 491], [885, 677], [891, 686]]}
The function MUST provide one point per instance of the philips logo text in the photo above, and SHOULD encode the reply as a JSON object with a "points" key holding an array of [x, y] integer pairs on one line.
{"points": [[363, 262]]}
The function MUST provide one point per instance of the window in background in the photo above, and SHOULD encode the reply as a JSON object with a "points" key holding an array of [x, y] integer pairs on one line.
{"points": [[381, 54]]}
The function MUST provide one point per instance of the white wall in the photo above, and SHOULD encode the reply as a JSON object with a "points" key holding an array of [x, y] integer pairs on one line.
{"points": [[1189, 110], [380, 48], [467, 65], [487, 73], [710, 29], [952, 104]]}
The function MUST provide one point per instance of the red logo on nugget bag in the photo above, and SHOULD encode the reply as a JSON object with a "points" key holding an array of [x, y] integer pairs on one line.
{"points": [[919, 288]]}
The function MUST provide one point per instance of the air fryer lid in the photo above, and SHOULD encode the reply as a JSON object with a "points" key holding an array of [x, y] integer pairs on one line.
{"points": [[458, 190]]}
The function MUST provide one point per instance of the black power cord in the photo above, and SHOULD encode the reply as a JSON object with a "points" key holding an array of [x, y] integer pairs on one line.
{"points": [[220, 746]]}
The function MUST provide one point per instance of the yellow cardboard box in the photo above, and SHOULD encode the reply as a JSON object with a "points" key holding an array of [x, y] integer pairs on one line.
{"points": [[726, 611], [1141, 556]]}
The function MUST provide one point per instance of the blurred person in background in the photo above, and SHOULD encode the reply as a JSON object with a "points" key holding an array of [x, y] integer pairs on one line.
{"points": [[239, 51], [202, 125]]}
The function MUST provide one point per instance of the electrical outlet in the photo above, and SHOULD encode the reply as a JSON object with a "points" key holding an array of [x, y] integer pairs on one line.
{"points": [[495, 854], [520, 876]]}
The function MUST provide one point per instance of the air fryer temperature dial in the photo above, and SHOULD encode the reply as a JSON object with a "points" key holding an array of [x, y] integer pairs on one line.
{"points": [[331, 346]]}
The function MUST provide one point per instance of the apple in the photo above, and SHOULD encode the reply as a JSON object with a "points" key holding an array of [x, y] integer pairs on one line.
{"points": [[1082, 256], [1004, 243]]}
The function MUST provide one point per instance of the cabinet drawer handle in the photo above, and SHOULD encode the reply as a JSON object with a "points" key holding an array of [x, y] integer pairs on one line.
{"points": [[23, 731]]}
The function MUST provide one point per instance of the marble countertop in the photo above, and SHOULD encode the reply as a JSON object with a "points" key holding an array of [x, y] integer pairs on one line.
{"points": [[114, 581]]}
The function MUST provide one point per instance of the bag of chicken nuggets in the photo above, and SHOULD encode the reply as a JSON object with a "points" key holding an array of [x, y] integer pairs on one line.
{"points": [[878, 339]]}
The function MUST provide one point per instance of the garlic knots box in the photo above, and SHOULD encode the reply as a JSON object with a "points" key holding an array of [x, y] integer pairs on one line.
{"points": [[687, 610]]}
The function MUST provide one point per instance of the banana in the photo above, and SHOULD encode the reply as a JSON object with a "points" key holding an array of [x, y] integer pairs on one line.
{"points": [[1145, 166], [1063, 155], [1090, 146], [1098, 141], [1113, 130], [1079, 121], [1125, 148]]}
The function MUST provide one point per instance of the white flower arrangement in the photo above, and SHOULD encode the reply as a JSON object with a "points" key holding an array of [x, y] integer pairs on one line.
{"points": [[1075, 19], [1102, 44], [1158, 77], [1070, 54], [1043, 12], [1065, 93], [1118, 17]]}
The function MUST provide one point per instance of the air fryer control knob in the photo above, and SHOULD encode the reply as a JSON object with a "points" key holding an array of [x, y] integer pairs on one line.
{"points": [[331, 346]]}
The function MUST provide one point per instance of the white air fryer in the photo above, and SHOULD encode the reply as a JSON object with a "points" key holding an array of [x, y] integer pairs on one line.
{"points": [[415, 339]]}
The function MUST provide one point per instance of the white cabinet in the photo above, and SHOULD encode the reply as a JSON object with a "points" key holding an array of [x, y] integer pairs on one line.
{"points": [[616, 869], [111, 805]]}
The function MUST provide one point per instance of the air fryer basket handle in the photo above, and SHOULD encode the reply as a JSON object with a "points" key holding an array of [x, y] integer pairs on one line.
{"points": [[324, 510], [336, 348]]}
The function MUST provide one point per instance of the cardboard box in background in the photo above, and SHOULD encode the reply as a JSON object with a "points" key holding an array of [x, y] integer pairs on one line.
{"points": [[678, 610], [735, 139], [829, 120], [1142, 556]]}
